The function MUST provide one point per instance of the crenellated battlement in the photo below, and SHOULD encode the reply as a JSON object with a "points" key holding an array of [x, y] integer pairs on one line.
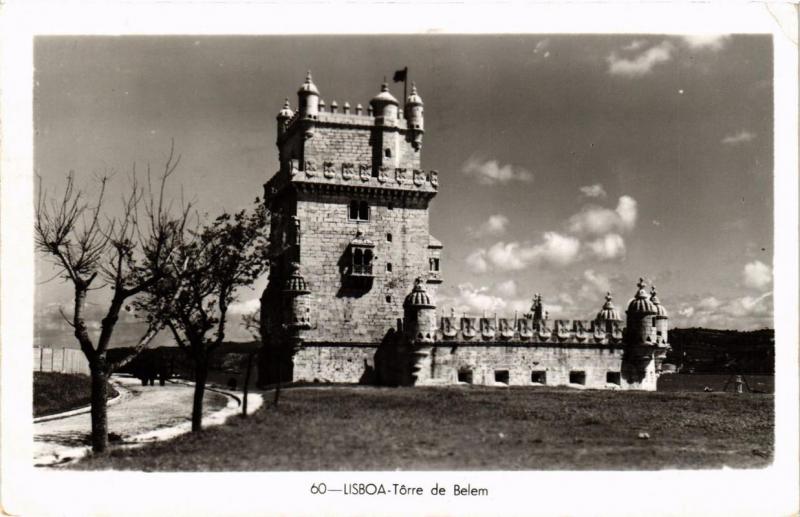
{"points": [[358, 120], [452, 329]]}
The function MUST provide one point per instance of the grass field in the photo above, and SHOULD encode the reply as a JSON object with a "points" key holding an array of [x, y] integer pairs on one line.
{"points": [[366, 428], [56, 392]]}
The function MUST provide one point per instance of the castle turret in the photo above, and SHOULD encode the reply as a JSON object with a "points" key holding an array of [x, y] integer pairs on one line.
{"points": [[385, 107], [641, 348], [283, 118], [295, 292], [414, 115], [308, 99], [661, 318], [419, 315], [641, 317]]}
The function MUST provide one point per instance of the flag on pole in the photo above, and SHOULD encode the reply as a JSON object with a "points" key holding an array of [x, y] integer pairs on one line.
{"points": [[400, 75]]}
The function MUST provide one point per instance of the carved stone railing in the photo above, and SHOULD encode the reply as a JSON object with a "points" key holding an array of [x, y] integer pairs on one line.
{"points": [[361, 175]]}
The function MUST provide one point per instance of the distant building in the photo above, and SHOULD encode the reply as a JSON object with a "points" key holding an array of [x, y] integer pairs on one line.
{"points": [[352, 286]]}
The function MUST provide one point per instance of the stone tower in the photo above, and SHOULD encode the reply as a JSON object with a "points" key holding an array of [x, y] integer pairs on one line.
{"points": [[645, 345], [349, 206]]}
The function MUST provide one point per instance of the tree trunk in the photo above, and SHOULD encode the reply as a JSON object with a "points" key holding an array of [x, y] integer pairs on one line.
{"points": [[99, 397], [200, 376], [248, 371], [277, 377]]}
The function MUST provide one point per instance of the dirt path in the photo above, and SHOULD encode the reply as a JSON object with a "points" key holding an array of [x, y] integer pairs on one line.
{"points": [[143, 409]]}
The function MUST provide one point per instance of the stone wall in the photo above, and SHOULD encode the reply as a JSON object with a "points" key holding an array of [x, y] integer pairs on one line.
{"points": [[485, 364], [340, 145], [341, 364], [343, 311], [496, 364]]}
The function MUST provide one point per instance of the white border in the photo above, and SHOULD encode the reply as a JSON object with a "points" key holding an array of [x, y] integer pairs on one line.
{"points": [[771, 491]]}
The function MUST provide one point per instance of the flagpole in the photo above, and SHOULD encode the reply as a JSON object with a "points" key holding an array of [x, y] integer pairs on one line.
{"points": [[405, 90]]}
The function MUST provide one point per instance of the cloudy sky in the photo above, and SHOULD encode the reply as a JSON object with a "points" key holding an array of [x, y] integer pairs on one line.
{"points": [[569, 165]]}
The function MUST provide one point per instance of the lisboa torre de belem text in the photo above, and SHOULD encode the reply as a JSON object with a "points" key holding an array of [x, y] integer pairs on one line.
{"points": [[351, 296]]}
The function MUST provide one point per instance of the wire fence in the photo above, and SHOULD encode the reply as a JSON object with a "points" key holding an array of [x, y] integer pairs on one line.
{"points": [[62, 360]]}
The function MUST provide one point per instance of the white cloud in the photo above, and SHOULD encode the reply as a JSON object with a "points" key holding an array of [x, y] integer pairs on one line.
{"points": [[600, 282], [709, 304], [596, 220], [608, 247], [495, 225], [595, 190], [639, 63], [745, 312], [477, 261], [246, 307], [741, 137], [507, 288], [555, 249], [706, 41], [757, 275], [491, 172], [471, 299]]}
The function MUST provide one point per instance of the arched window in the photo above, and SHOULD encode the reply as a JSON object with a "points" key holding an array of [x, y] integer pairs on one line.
{"points": [[368, 261], [358, 259]]}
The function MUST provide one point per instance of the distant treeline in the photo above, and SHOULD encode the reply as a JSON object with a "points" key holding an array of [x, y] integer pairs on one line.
{"points": [[173, 362], [722, 351]]}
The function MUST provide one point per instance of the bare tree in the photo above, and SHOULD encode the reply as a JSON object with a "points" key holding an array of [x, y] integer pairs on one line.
{"points": [[94, 250], [192, 299]]}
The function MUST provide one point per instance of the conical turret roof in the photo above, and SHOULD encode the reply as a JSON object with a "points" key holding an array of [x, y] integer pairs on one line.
{"points": [[641, 303], [418, 297], [384, 97], [308, 87], [414, 98], [660, 310], [286, 111], [609, 311]]}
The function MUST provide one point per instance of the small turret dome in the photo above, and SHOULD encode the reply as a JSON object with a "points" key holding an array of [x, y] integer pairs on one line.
{"points": [[414, 99], [308, 87], [609, 311], [641, 303], [286, 112], [384, 97], [660, 310], [418, 297], [295, 283]]}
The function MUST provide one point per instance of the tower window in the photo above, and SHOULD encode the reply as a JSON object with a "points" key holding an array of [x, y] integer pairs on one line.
{"points": [[388, 237], [387, 152], [501, 376], [539, 377], [434, 264], [613, 378], [389, 298], [577, 377], [465, 376], [362, 262], [389, 267], [359, 210]]}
